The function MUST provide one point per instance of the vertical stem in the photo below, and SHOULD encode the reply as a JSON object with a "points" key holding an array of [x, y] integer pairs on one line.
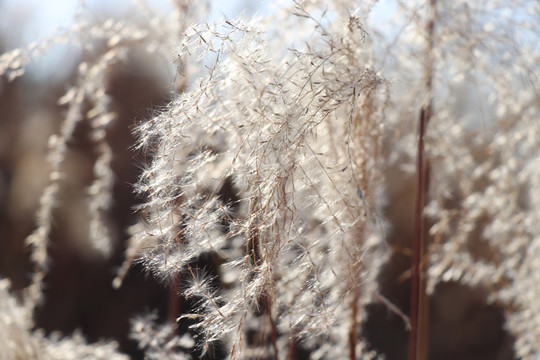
{"points": [[254, 249], [423, 299], [268, 302], [418, 341], [352, 330], [174, 305], [418, 245], [292, 347]]}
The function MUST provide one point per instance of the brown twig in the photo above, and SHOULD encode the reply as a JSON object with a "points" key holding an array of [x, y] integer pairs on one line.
{"points": [[268, 303], [352, 330], [418, 244], [292, 347], [418, 316], [174, 305], [418, 340]]}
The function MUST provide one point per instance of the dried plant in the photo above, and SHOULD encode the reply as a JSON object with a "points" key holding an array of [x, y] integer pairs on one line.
{"points": [[267, 179]]}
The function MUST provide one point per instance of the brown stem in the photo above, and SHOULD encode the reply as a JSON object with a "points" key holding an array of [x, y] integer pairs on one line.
{"points": [[418, 240], [174, 301], [268, 303], [292, 347], [418, 341], [352, 330]]}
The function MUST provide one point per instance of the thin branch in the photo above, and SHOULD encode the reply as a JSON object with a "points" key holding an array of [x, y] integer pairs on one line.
{"points": [[418, 340], [268, 303], [354, 324], [418, 240]]}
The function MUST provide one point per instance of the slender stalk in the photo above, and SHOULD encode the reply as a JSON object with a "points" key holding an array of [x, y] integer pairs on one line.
{"points": [[418, 341], [254, 249], [352, 330], [292, 347], [418, 318], [418, 244], [268, 302], [174, 301]]}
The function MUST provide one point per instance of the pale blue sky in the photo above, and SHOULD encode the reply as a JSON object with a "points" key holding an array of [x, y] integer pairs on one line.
{"points": [[25, 21], [41, 17]]}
